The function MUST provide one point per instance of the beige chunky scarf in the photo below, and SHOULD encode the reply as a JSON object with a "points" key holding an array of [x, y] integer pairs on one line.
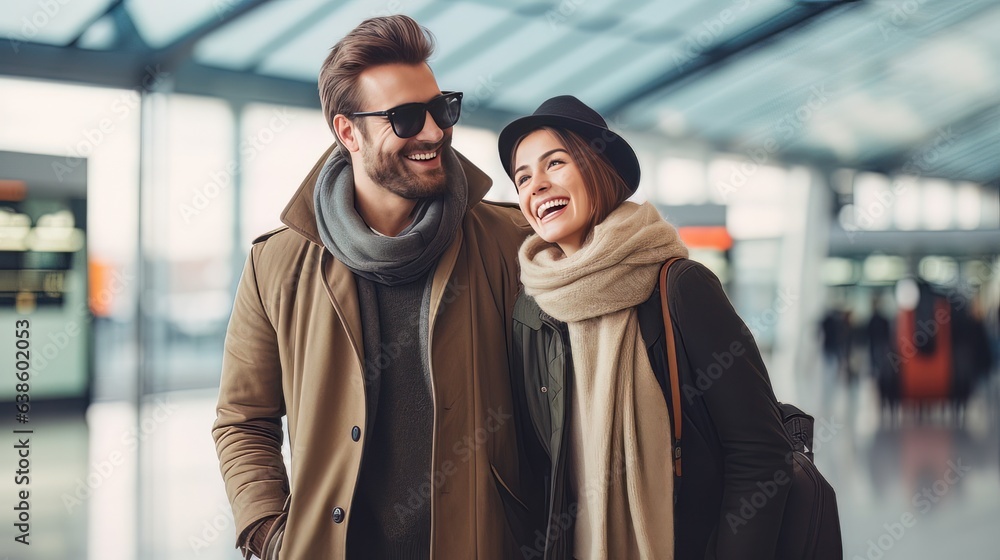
{"points": [[620, 448]]}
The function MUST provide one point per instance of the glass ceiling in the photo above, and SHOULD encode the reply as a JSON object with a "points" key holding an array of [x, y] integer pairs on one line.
{"points": [[54, 23], [868, 84]]}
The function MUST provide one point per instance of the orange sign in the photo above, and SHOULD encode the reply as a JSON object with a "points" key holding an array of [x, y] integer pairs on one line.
{"points": [[12, 190], [706, 237]]}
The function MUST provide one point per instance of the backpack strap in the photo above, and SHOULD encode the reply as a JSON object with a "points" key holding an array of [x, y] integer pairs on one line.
{"points": [[675, 385]]}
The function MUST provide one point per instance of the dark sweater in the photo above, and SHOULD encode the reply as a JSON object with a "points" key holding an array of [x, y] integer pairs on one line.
{"points": [[392, 503]]}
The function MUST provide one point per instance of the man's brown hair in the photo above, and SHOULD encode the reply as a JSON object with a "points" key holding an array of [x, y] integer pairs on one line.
{"points": [[605, 187], [396, 39]]}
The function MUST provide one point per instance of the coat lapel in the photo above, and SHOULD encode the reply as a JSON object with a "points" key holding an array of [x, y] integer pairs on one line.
{"points": [[343, 291], [442, 275]]}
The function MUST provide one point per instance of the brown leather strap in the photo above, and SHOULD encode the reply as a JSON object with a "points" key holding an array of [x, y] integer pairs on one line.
{"points": [[675, 385]]}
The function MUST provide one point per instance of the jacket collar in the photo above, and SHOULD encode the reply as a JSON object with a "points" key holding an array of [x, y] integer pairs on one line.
{"points": [[300, 213]]}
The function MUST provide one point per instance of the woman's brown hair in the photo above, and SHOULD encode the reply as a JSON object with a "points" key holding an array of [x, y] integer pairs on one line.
{"points": [[605, 187], [394, 39]]}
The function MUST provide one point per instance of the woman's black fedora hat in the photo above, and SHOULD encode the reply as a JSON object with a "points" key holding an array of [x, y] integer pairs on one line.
{"points": [[566, 111]]}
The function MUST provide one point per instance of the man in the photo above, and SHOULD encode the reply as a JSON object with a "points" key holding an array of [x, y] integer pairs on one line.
{"points": [[879, 334], [377, 320]]}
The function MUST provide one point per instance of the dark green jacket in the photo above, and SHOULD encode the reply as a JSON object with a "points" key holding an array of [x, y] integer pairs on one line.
{"points": [[727, 504]]}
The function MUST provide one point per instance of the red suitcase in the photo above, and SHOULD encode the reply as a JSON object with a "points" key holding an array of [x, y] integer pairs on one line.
{"points": [[925, 369]]}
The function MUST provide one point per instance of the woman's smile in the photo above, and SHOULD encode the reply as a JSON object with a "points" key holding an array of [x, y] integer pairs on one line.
{"points": [[551, 209], [551, 191]]}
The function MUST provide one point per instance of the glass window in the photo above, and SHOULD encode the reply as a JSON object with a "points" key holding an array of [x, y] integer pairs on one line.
{"points": [[990, 217], [101, 125], [756, 198], [278, 147], [938, 213], [190, 240], [54, 22], [872, 202], [907, 202], [967, 205], [681, 181], [479, 145]]}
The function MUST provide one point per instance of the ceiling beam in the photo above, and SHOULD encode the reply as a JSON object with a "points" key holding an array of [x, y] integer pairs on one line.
{"points": [[135, 67], [176, 53], [955, 128], [113, 7], [768, 31], [964, 243], [117, 69], [244, 87], [293, 31], [480, 44]]}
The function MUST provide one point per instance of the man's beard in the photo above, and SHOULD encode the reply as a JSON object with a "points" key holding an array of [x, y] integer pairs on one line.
{"points": [[391, 172]]}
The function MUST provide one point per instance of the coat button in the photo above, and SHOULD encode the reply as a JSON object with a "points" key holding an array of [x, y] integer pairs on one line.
{"points": [[545, 389], [356, 433], [338, 515]]}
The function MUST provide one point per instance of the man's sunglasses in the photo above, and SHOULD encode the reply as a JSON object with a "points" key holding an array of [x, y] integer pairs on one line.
{"points": [[408, 119]]}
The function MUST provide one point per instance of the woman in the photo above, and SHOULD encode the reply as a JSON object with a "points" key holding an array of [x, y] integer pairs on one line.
{"points": [[590, 375]]}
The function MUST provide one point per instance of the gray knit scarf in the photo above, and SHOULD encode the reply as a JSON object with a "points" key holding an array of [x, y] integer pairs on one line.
{"points": [[387, 260]]}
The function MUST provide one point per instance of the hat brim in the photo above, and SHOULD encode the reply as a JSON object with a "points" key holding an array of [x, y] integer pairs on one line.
{"points": [[602, 140]]}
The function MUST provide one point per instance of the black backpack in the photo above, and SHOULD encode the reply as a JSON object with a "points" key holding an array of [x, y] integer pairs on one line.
{"points": [[810, 528]]}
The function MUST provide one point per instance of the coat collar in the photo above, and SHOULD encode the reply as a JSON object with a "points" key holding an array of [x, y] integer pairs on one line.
{"points": [[300, 213]]}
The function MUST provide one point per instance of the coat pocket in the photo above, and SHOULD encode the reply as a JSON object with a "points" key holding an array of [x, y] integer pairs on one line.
{"points": [[506, 494], [272, 542], [522, 522]]}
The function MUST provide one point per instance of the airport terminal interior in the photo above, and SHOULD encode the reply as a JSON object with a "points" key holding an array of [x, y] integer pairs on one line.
{"points": [[835, 163]]}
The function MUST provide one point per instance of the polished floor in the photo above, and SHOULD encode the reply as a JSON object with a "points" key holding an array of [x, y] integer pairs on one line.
{"points": [[908, 488], [917, 485]]}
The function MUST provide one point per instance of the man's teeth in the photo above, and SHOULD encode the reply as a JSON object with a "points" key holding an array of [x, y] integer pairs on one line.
{"points": [[550, 204], [422, 157]]}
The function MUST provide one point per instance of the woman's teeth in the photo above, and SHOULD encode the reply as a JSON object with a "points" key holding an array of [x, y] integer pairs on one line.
{"points": [[422, 157], [551, 204]]}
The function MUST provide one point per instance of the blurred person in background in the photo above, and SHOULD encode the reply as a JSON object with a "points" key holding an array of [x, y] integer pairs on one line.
{"points": [[376, 321], [850, 340], [973, 357], [835, 328], [880, 346]]}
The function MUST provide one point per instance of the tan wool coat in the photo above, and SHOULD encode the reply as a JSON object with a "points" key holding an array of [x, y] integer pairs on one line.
{"points": [[294, 348]]}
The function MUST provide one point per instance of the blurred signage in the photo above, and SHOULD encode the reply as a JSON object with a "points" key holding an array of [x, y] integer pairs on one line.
{"points": [[12, 190]]}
